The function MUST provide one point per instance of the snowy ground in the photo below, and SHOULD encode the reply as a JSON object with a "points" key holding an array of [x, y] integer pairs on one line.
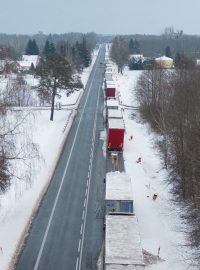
{"points": [[159, 220], [14, 217]]}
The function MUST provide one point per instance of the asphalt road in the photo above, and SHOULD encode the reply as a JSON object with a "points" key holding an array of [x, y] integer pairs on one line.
{"points": [[67, 233]]}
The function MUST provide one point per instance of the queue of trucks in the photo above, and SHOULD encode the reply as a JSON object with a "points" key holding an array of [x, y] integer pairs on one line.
{"points": [[123, 249]]}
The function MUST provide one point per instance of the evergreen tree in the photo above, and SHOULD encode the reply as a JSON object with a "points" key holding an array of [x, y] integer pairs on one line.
{"points": [[32, 48], [84, 53], [134, 47], [55, 76], [131, 46], [52, 48], [177, 59], [168, 52], [35, 50], [46, 50], [29, 47], [63, 49]]}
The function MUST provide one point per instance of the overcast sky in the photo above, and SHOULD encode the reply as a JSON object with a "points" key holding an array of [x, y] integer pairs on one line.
{"points": [[100, 16]]}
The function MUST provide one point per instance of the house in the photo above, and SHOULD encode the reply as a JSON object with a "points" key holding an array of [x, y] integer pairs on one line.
{"points": [[27, 61]]}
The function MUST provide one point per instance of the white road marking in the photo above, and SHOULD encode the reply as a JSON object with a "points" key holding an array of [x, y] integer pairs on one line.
{"points": [[81, 231], [84, 202], [77, 260], [83, 214], [79, 245], [62, 181]]}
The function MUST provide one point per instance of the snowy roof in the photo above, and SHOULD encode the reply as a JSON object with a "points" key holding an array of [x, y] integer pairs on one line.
{"points": [[112, 102], [118, 187], [115, 123], [122, 243], [27, 60], [114, 113], [30, 58], [137, 56], [164, 58]]}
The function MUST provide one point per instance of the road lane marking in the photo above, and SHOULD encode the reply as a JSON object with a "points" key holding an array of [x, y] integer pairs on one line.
{"points": [[79, 245], [83, 214], [86, 192], [77, 260], [84, 202], [89, 180], [81, 231], [64, 174]]}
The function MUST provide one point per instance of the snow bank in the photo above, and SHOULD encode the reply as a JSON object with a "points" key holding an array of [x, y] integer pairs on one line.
{"points": [[20, 202], [159, 220]]}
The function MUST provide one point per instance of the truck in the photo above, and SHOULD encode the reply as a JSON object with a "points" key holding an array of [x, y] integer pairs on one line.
{"points": [[110, 89], [123, 250], [115, 135]]}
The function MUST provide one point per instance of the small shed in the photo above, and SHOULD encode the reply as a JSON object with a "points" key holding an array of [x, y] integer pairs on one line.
{"points": [[165, 62], [119, 196], [123, 249]]}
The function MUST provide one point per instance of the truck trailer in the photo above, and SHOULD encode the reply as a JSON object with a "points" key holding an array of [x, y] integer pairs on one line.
{"points": [[123, 250], [115, 135], [110, 89]]}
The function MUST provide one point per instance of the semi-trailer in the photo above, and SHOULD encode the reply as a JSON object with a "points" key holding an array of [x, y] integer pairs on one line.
{"points": [[110, 89], [115, 135]]}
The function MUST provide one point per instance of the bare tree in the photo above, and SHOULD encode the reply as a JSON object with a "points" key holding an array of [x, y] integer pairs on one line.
{"points": [[120, 53]]}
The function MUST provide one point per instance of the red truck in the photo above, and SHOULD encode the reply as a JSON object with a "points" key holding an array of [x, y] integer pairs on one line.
{"points": [[115, 135], [110, 90]]}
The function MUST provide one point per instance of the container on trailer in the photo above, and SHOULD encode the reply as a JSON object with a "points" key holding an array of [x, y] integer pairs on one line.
{"points": [[119, 196], [112, 104], [110, 89], [114, 114], [123, 249], [115, 135], [108, 76]]}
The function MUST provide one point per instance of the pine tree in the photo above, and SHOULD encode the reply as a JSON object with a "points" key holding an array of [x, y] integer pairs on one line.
{"points": [[52, 48], [168, 52], [29, 47], [84, 53], [55, 76], [131, 46], [32, 48], [63, 49], [134, 47], [35, 50], [49, 48]]}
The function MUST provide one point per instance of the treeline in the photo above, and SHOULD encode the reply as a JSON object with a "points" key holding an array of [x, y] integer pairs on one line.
{"points": [[171, 43], [78, 54], [170, 101]]}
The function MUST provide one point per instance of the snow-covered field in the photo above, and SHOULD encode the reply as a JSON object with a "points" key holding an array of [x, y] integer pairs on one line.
{"points": [[18, 204], [159, 220]]}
